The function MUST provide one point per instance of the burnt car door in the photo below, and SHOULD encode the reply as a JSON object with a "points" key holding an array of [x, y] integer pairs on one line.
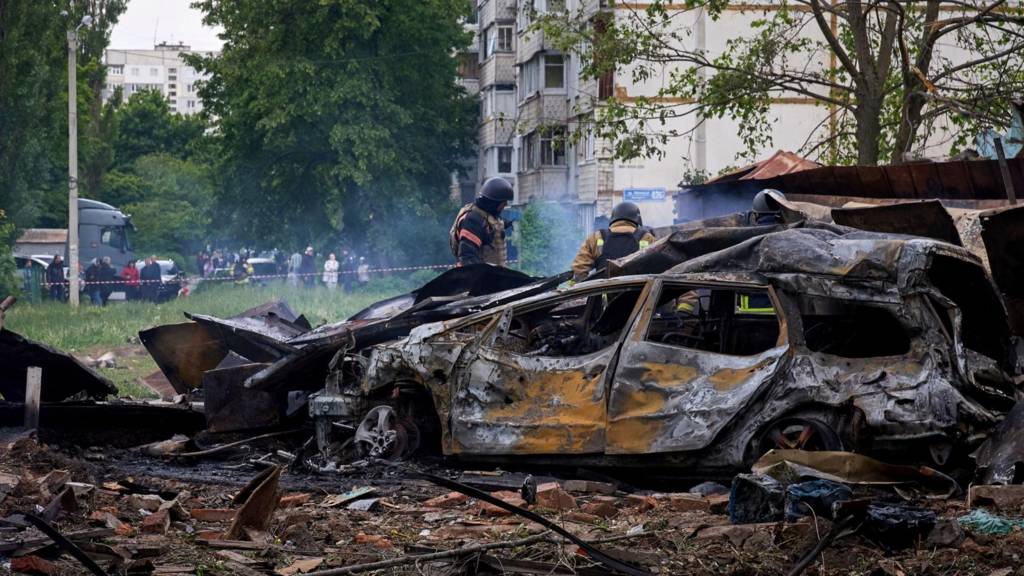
{"points": [[696, 355], [536, 381]]}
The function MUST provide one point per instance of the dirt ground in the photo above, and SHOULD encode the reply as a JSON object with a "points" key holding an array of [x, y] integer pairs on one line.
{"points": [[311, 527]]}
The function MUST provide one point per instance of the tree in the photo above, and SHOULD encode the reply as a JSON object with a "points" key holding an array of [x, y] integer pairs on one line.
{"points": [[8, 273], [171, 212], [893, 74], [146, 125], [318, 103]]}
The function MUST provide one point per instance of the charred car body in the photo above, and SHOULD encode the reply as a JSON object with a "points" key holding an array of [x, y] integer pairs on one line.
{"points": [[816, 337]]}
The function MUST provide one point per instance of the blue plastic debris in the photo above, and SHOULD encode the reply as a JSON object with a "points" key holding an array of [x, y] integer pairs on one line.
{"points": [[814, 497], [982, 521]]}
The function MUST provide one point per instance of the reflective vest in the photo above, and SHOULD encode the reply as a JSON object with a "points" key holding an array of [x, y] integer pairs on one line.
{"points": [[756, 304], [491, 253]]}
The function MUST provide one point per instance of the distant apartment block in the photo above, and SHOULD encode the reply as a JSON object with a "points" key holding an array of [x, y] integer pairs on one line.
{"points": [[162, 69]]}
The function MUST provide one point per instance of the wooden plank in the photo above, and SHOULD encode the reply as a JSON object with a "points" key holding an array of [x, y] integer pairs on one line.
{"points": [[33, 393]]}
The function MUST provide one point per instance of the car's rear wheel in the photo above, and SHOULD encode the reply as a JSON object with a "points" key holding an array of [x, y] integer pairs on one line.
{"points": [[795, 432], [384, 433]]}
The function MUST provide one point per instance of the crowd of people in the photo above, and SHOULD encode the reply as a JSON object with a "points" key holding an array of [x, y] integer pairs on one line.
{"points": [[99, 280], [300, 268]]}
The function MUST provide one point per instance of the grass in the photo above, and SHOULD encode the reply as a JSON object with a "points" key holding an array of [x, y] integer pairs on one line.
{"points": [[93, 330]]}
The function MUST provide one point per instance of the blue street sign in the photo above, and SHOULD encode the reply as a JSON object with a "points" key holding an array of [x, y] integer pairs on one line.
{"points": [[643, 194]]}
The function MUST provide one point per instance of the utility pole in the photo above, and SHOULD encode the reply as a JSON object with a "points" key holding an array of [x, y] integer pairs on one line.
{"points": [[73, 161]]}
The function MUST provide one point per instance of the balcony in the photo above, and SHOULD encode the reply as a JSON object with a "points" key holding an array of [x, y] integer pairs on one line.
{"points": [[497, 11], [500, 68], [496, 132], [542, 108], [544, 183]]}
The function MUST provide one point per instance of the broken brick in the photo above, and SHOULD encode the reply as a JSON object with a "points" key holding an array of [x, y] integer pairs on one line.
{"points": [[718, 503], [112, 522], [293, 500], [508, 496], [581, 517], [147, 502], [212, 514], [600, 509], [156, 523], [1005, 498], [644, 503], [449, 500], [588, 486], [53, 481], [551, 495], [688, 503], [32, 565], [376, 540]]}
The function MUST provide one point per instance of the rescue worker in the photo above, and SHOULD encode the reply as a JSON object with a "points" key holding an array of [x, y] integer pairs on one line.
{"points": [[766, 210], [478, 234], [625, 235]]}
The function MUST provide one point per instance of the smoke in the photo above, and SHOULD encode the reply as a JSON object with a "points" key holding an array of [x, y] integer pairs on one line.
{"points": [[549, 238]]}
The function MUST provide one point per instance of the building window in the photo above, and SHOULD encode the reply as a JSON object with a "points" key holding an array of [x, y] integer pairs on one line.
{"points": [[172, 70], [499, 39], [117, 70], [172, 77], [135, 71], [154, 71], [528, 78], [552, 147], [589, 143], [525, 14], [188, 88], [469, 67], [191, 103], [172, 86], [504, 159], [498, 102], [554, 71]]}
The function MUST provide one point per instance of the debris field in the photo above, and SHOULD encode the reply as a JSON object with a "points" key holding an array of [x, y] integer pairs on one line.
{"points": [[836, 394]]}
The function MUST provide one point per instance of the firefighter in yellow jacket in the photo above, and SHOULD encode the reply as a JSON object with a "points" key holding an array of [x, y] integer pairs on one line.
{"points": [[478, 233], [625, 234]]}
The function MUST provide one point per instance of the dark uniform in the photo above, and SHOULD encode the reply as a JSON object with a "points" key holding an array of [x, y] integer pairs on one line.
{"points": [[478, 234], [624, 236]]}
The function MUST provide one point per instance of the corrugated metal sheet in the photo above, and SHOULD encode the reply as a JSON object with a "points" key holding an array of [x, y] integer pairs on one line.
{"points": [[778, 164]]}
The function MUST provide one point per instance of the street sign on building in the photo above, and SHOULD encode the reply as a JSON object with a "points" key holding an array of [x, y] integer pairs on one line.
{"points": [[643, 194]]}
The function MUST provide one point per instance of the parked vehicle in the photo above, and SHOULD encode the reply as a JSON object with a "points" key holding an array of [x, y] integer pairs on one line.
{"points": [[172, 279]]}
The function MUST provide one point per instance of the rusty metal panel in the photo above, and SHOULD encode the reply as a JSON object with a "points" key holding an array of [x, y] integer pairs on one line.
{"points": [[667, 398], [513, 404], [230, 406], [183, 352], [929, 219]]}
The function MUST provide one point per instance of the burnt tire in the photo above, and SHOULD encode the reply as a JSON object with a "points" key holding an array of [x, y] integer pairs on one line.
{"points": [[794, 433]]}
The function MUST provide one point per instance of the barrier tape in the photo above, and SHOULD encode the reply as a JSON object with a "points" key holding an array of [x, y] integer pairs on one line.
{"points": [[258, 276]]}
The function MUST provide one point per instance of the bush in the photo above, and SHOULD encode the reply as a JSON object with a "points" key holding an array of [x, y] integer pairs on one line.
{"points": [[549, 238], [9, 283]]}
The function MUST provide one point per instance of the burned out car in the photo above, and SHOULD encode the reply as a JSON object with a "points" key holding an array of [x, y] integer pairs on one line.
{"points": [[821, 338]]}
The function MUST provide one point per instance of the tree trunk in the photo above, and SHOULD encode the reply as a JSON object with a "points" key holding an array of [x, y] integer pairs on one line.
{"points": [[869, 127]]}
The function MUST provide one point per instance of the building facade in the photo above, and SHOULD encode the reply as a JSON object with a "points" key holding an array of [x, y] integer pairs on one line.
{"points": [[162, 69], [533, 103]]}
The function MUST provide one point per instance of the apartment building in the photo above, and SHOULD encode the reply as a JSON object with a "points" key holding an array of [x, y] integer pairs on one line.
{"points": [[532, 97], [163, 69]]}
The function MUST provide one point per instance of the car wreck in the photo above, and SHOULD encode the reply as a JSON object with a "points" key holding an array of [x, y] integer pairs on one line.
{"points": [[816, 337]]}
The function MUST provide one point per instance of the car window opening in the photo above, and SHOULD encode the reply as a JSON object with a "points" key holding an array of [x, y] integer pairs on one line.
{"points": [[983, 322], [851, 330], [574, 327], [724, 321]]}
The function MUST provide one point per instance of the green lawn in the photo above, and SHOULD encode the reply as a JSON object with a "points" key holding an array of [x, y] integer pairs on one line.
{"points": [[93, 330]]}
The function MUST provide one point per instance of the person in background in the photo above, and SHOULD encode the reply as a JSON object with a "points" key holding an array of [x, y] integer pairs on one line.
{"points": [[92, 278], [55, 278], [108, 277], [331, 272], [348, 270], [150, 278], [307, 270], [363, 271], [130, 276], [294, 263], [624, 235], [478, 233], [208, 267]]}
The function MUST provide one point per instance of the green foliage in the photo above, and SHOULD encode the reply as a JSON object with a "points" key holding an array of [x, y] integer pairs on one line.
{"points": [[146, 125], [172, 211], [891, 78], [549, 238], [339, 116], [8, 271]]}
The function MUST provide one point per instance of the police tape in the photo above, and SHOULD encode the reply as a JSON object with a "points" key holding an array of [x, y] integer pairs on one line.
{"points": [[297, 275]]}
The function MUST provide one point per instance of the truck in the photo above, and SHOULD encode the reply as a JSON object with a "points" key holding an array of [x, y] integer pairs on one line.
{"points": [[103, 231]]}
